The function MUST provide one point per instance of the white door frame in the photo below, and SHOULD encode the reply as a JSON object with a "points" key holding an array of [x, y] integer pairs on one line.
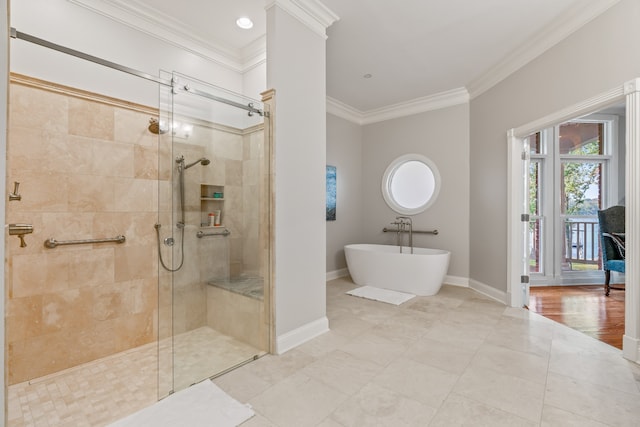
{"points": [[630, 93]]}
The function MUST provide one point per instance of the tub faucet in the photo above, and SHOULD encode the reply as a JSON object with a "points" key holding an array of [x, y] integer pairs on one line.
{"points": [[399, 228], [402, 223]]}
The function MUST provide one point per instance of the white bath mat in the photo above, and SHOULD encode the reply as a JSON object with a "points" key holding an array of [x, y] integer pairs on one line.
{"points": [[203, 404], [383, 295]]}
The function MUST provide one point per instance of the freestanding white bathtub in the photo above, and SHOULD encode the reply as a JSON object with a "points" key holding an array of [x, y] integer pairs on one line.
{"points": [[383, 266]]}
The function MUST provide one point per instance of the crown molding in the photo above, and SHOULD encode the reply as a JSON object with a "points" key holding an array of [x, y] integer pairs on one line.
{"points": [[437, 101], [255, 53], [311, 13], [135, 15], [561, 28], [344, 111]]}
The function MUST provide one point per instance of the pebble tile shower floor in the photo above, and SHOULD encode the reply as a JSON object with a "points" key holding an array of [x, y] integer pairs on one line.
{"points": [[105, 390]]}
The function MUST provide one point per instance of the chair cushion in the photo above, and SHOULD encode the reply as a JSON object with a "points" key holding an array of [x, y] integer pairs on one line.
{"points": [[614, 265]]}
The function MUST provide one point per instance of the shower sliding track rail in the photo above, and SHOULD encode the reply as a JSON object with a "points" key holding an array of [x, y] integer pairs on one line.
{"points": [[395, 230], [15, 34], [52, 243]]}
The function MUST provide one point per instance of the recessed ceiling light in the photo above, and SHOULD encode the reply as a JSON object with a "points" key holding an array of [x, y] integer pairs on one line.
{"points": [[244, 23], [368, 76]]}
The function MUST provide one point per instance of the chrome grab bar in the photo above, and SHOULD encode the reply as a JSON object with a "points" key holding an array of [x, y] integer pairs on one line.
{"points": [[395, 230], [200, 234], [52, 243]]}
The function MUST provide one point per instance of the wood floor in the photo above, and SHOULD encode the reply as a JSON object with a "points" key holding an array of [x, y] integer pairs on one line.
{"points": [[583, 308]]}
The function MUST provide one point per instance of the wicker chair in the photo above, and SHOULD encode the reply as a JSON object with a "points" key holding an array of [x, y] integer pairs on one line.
{"points": [[611, 224]]}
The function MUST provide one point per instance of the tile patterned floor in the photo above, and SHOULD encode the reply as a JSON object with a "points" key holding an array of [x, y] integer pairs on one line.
{"points": [[103, 391], [454, 359]]}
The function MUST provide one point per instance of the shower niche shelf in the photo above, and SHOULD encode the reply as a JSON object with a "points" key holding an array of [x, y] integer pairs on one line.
{"points": [[211, 199]]}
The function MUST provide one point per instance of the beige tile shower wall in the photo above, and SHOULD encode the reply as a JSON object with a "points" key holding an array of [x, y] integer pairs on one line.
{"points": [[238, 316], [87, 169], [208, 257], [253, 158]]}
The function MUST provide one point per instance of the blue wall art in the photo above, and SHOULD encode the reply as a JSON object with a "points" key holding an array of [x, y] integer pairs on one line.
{"points": [[331, 193]]}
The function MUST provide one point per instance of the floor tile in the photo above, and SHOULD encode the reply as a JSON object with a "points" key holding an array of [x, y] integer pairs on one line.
{"points": [[445, 356], [505, 392], [298, 401], [342, 371], [417, 381], [460, 411], [556, 417], [595, 402], [374, 405]]}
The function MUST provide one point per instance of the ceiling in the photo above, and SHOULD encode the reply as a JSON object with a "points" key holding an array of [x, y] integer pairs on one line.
{"points": [[411, 49]]}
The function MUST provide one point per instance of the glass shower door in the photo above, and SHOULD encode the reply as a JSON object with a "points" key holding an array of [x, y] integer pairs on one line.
{"points": [[214, 195]]}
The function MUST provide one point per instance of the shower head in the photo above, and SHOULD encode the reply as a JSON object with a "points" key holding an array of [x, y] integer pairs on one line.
{"points": [[203, 161], [155, 128]]}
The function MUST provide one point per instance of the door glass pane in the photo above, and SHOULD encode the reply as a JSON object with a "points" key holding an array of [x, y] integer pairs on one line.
{"points": [[581, 139], [535, 224], [535, 145], [534, 187], [535, 254], [213, 242], [581, 190]]}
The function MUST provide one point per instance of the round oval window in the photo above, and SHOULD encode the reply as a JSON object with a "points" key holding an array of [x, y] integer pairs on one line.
{"points": [[410, 184]]}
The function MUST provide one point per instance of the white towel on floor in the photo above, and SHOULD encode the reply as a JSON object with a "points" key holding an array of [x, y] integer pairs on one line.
{"points": [[383, 295], [201, 405]]}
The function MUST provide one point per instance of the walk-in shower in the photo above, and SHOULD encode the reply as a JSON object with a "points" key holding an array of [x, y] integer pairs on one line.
{"points": [[108, 317]]}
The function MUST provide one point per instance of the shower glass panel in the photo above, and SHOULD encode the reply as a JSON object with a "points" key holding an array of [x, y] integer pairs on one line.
{"points": [[213, 232]]}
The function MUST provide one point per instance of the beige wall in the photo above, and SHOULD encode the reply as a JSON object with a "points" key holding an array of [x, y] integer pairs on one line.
{"points": [[87, 169], [594, 59]]}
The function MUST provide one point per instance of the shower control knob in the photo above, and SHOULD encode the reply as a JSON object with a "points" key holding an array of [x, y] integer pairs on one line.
{"points": [[20, 230], [169, 241]]}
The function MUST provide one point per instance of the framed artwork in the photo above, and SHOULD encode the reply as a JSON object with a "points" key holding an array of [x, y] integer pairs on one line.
{"points": [[331, 193]]}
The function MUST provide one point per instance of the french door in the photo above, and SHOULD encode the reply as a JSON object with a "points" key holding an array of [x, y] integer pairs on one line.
{"points": [[570, 178]]}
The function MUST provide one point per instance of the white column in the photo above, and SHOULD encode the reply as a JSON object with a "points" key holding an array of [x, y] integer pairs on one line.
{"points": [[296, 70], [631, 338]]}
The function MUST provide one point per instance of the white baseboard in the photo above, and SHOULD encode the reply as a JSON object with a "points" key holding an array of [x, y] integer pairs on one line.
{"points": [[292, 339], [456, 281], [631, 348], [489, 291], [336, 274]]}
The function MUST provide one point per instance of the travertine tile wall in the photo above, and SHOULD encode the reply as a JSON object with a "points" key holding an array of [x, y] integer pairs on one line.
{"points": [[87, 168], [208, 257], [231, 313], [253, 158]]}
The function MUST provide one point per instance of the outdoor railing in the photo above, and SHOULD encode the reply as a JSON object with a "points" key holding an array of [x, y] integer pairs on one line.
{"points": [[582, 242]]}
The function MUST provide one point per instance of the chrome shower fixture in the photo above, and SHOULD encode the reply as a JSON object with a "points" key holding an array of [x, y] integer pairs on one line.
{"points": [[180, 161]]}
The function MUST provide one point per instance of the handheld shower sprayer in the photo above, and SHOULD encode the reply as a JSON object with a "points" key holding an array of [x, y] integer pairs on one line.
{"points": [[181, 166], [181, 223]]}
